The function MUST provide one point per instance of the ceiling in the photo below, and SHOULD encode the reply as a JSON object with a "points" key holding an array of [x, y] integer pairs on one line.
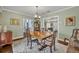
{"points": [[31, 10]]}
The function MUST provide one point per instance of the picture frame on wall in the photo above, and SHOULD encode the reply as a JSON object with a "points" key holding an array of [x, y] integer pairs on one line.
{"points": [[14, 21], [70, 21]]}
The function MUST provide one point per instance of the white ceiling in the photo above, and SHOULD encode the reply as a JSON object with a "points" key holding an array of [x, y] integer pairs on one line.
{"points": [[31, 10]]}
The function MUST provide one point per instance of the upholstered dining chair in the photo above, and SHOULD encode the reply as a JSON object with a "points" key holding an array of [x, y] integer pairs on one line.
{"points": [[50, 42], [30, 39], [73, 45]]}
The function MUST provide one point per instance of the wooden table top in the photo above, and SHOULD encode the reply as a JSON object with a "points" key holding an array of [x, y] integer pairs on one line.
{"points": [[41, 35]]}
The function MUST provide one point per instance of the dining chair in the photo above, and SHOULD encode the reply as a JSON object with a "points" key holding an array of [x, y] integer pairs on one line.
{"points": [[73, 45], [30, 39], [50, 42]]}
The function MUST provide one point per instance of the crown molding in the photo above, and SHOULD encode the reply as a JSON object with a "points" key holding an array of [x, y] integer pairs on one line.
{"points": [[19, 13], [64, 9], [29, 16]]}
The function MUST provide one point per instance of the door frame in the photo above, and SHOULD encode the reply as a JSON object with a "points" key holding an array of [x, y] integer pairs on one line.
{"points": [[57, 19]]}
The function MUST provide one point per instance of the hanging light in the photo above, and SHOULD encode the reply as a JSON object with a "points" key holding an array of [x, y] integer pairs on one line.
{"points": [[39, 16], [36, 15]]}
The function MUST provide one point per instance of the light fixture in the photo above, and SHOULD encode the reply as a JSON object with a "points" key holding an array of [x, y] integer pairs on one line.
{"points": [[27, 21], [36, 15]]}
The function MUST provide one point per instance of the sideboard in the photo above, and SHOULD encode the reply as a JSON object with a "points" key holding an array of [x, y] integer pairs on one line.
{"points": [[5, 38]]}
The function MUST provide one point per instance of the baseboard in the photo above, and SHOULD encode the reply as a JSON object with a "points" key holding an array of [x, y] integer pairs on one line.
{"points": [[17, 38], [62, 42]]}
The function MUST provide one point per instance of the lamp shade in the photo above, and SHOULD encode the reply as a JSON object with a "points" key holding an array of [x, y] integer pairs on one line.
{"points": [[5, 29]]}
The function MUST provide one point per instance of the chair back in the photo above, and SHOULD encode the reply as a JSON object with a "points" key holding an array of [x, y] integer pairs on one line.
{"points": [[73, 42], [28, 35], [53, 38], [75, 33], [54, 35]]}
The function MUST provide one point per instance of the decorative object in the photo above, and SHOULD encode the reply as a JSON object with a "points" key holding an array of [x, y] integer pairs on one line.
{"points": [[70, 21], [5, 28], [14, 21]]}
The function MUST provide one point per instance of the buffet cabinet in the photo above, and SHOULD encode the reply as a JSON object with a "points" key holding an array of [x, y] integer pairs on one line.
{"points": [[5, 38]]}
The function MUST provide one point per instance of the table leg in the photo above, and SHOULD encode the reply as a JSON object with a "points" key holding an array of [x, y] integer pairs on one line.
{"points": [[31, 45], [54, 45], [50, 49], [27, 42]]}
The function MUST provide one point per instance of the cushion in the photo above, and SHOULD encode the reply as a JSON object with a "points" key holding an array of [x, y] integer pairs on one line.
{"points": [[76, 43]]}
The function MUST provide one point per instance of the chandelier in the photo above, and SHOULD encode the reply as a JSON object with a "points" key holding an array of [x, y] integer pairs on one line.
{"points": [[36, 15]]}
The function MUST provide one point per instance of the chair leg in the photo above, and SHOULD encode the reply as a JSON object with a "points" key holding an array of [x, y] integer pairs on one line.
{"points": [[27, 42], [38, 42], [31, 45], [54, 45], [11, 50], [44, 50], [50, 49]]}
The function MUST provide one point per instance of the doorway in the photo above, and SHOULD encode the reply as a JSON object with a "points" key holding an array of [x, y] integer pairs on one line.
{"points": [[52, 24]]}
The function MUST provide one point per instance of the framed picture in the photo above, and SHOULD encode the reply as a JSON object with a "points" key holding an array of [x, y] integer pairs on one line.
{"points": [[70, 21], [14, 21]]}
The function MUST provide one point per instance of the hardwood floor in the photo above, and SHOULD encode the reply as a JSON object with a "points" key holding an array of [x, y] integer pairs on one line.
{"points": [[6, 49], [20, 43], [18, 46], [9, 48]]}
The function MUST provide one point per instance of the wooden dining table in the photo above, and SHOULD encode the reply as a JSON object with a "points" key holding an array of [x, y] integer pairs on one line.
{"points": [[42, 35]]}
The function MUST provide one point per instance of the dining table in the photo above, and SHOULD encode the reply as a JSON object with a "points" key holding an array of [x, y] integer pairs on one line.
{"points": [[40, 36]]}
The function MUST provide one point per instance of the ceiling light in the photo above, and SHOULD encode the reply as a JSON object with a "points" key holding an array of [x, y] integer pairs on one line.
{"points": [[36, 15]]}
